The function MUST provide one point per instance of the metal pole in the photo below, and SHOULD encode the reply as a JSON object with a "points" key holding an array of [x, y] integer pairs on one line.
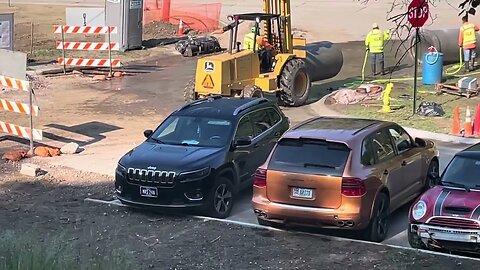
{"points": [[63, 53], [31, 117], [110, 51], [415, 72], [9, 3]]}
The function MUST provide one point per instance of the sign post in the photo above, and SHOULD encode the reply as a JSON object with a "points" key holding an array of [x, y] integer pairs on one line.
{"points": [[418, 12]]}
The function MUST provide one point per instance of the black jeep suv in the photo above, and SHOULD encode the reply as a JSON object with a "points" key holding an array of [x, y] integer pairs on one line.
{"points": [[201, 155]]}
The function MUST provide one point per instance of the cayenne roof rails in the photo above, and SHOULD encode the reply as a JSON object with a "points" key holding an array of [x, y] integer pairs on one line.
{"points": [[209, 98], [249, 104]]}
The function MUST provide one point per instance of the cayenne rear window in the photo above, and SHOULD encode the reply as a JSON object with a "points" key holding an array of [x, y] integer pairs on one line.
{"points": [[310, 157]]}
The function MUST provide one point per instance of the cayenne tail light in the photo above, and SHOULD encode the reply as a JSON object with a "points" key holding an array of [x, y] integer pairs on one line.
{"points": [[353, 187], [260, 178]]}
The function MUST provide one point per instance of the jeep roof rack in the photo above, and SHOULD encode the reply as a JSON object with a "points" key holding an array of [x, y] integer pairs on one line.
{"points": [[209, 98], [249, 104]]}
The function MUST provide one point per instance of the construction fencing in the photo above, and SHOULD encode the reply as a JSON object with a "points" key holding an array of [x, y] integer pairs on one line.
{"points": [[202, 17]]}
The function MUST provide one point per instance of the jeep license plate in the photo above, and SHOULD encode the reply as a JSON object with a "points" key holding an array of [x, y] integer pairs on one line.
{"points": [[151, 192], [304, 193]]}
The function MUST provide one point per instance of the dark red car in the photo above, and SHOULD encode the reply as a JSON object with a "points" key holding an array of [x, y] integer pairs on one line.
{"points": [[448, 215]]}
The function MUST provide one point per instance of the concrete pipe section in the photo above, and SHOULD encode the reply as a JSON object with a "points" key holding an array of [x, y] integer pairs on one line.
{"points": [[445, 41], [324, 60]]}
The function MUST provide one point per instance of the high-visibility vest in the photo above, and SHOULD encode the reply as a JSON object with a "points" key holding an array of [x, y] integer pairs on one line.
{"points": [[375, 41], [469, 36], [248, 41]]}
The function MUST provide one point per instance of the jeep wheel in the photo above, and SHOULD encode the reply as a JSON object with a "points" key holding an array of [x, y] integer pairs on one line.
{"points": [[220, 202], [252, 91], [432, 174], [378, 228], [189, 92], [414, 240], [294, 83]]}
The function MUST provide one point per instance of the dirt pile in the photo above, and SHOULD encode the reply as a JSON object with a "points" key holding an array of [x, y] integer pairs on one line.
{"points": [[157, 30]]}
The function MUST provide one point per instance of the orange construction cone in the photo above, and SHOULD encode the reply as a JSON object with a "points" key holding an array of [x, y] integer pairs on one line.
{"points": [[468, 126], [456, 121], [476, 122], [180, 28]]}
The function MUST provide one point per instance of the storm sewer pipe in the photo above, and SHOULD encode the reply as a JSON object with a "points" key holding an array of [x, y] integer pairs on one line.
{"points": [[444, 40], [324, 60]]}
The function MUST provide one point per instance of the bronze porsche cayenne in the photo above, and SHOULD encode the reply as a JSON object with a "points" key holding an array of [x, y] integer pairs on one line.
{"points": [[342, 173]]}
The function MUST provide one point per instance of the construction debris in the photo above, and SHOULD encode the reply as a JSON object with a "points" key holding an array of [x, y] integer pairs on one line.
{"points": [[455, 90], [430, 109], [355, 96], [30, 169], [69, 148], [15, 155]]}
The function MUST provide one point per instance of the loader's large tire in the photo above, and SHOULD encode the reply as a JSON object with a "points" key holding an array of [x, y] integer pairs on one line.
{"points": [[189, 92], [252, 91], [294, 83]]}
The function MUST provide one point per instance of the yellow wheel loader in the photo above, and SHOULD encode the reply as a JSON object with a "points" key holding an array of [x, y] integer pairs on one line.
{"points": [[276, 68]]}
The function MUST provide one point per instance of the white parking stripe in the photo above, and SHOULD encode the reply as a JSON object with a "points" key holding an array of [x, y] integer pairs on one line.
{"points": [[252, 225]]}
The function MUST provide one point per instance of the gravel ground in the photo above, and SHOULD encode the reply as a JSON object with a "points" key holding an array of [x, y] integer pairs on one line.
{"points": [[54, 205]]}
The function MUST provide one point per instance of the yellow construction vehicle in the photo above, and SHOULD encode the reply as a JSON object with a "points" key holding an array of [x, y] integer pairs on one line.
{"points": [[279, 68]]}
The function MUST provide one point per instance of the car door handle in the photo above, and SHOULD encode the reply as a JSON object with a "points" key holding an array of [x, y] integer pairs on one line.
{"points": [[385, 172], [404, 163]]}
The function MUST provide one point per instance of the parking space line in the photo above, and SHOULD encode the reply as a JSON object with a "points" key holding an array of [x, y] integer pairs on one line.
{"points": [[257, 226]]}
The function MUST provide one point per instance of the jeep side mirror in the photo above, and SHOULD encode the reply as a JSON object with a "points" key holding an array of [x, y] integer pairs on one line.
{"points": [[147, 133], [420, 142], [243, 141]]}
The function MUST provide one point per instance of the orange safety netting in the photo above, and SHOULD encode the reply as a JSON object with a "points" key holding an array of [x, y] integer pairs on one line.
{"points": [[203, 17]]}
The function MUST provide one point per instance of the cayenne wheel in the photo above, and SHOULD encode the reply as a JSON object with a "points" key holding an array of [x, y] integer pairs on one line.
{"points": [[221, 199], [378, 228], [414, 240], [432, 175]]}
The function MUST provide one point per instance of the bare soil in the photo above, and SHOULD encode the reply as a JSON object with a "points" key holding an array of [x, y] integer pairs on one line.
{"points": [[41, 45], [53, 205]]}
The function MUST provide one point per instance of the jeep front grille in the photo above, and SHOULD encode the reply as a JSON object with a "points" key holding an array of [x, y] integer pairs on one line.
{"points": [[151, 177]]}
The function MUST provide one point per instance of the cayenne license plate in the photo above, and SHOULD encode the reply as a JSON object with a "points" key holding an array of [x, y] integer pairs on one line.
{"points": [[304, 193], [151, 192]]}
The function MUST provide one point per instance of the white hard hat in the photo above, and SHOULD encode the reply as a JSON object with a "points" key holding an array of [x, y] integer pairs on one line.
{"points": [[374, 25]]}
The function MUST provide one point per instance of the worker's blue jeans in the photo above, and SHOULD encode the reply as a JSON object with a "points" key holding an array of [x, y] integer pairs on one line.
{"points": [[374, 57], [468, 54]]}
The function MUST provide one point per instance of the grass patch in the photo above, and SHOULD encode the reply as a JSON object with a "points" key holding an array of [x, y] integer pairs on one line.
{"points": [[405, 117], [22, 252]]}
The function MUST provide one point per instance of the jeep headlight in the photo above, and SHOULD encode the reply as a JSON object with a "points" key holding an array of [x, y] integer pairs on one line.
{"points": [[121, 169], [197, 174], [419, 210]]}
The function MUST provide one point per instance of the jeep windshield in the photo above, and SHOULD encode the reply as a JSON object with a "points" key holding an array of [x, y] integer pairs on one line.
{"points": [[193, 131], [463, 171]]}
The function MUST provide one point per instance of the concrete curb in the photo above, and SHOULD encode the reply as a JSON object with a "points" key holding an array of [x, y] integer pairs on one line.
{"points": [[320, 108]]}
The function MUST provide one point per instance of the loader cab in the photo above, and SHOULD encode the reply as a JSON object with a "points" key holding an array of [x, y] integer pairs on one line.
{"points": [[273, 35]]}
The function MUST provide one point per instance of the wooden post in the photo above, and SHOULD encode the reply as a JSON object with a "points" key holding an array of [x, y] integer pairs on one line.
{"points": [[31, 38], [110, 51]]}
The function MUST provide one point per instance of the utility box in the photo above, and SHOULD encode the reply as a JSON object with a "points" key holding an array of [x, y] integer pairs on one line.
{"points": [[6, 31], [127, 15]]}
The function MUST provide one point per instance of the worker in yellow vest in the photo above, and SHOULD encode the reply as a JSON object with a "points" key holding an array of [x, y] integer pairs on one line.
{"points": [[248, 40], [374, 45], [467, 39]]}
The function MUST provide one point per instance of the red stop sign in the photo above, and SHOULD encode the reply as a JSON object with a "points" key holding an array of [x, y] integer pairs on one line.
{"points": [[418, 12]]}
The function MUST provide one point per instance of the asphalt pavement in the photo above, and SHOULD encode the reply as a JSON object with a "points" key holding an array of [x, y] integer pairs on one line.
{"points": [[399, 220]]}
